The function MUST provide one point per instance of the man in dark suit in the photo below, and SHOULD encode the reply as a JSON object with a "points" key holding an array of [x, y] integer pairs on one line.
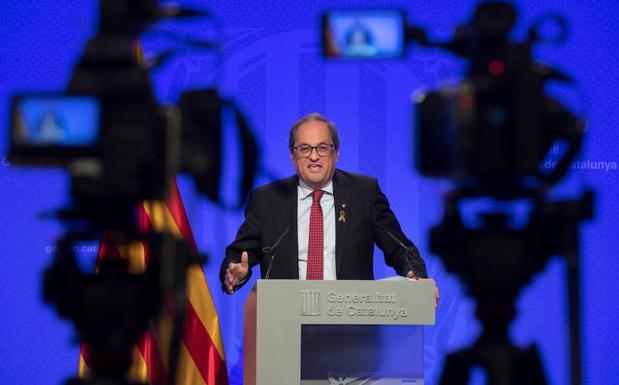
{"points": [[321, 223]]}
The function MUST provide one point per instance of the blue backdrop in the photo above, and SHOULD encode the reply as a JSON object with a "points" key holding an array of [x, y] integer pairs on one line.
{"points": [[272, 67]]}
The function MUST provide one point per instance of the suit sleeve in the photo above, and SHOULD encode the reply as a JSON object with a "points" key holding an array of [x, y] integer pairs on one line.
{"points": [[402, 259], [247, 239]]}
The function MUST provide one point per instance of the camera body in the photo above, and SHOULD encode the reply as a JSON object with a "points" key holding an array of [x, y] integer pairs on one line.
{"points": [[491, 132], [491, 135]]}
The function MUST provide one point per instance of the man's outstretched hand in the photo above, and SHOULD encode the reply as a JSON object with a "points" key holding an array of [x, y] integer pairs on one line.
{"points": [[437, 295], [236, 273]]}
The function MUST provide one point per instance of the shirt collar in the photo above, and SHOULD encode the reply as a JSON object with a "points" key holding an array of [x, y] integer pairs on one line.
{"points": [[305, 191]]}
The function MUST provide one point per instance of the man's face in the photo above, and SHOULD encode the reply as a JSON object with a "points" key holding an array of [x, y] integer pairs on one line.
{"points": [[313, 169]]}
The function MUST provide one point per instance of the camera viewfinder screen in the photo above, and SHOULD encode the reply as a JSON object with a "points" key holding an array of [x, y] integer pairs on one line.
{"points": [[55, 120], [363, 34]]}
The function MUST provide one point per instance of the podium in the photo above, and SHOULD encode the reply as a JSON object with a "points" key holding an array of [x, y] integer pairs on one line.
{"points": [[336, 332]]}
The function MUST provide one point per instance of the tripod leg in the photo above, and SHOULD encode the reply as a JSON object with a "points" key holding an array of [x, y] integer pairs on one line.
{"points": [[573, 282], [457, 367]]}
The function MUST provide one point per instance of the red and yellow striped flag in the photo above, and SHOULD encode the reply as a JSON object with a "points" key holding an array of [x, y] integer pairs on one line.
{"points": [[201, 358]]}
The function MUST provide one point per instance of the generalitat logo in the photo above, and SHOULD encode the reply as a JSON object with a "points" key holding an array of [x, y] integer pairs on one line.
{"points": [[310, 302]]}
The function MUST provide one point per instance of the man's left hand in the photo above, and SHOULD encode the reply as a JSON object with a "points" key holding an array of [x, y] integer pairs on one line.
{"points": [[437, 295]]}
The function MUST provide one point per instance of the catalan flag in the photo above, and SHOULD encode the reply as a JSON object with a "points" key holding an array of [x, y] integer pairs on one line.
{"points": [[201, 359]]}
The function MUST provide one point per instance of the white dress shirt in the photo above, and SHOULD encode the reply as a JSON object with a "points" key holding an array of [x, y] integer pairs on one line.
{"points": [[304, 205]]}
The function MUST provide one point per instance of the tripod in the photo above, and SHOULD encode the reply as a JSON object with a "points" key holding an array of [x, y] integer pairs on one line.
{"points": [[494, 262]]}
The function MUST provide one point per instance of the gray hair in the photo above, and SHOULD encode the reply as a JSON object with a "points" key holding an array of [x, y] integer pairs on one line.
{"points": [[310, 118]]}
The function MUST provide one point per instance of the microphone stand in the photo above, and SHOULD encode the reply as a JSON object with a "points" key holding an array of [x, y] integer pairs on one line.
{"points": [[409, 253], [272, 250]]}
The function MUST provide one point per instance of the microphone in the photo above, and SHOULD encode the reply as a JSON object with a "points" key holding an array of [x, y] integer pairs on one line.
{"points": [[409, 253], [273, 251]]}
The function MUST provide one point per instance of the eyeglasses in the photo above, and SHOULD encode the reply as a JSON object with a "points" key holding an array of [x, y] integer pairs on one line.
{"points": [[322, 149]]}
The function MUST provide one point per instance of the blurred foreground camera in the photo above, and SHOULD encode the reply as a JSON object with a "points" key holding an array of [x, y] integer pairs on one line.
{"points": [[491, 135], [122, 149]]}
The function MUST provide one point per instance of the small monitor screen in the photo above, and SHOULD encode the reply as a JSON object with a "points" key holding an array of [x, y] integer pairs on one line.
{"points": [[55, 120], [363, 34]]}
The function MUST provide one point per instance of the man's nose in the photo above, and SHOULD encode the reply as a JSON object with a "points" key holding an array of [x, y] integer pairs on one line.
{"points": [[314, 154]]}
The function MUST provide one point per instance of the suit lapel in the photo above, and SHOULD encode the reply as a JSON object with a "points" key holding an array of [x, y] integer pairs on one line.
{"points": [[289, 216], [341, 194]]}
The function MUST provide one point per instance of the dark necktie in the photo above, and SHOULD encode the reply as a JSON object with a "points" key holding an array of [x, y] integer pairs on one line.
{"points": [[315, 248]]}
